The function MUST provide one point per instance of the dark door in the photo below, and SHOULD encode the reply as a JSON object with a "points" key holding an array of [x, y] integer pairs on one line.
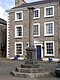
{"points": [[38, 52]]}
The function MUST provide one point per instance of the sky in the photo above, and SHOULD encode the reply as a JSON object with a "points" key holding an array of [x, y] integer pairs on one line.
{"points": [[6, 5]]}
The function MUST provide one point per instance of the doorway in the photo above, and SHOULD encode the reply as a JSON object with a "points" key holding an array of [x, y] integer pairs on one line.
{"points": [[38, 52]]}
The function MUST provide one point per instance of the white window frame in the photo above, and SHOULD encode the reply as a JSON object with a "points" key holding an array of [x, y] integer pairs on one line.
{"points": [[38, 13], [46, 48], [22, 47], [45, 28], [45, 11], [38, 29], [16, 15], [16, 31]]}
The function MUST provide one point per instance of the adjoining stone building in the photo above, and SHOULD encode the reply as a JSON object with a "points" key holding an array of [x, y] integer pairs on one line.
{"points": [[3, 36], [46, 29]]}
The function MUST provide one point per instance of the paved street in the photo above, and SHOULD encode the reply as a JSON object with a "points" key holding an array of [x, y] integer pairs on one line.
{"points": [[8, 65]]}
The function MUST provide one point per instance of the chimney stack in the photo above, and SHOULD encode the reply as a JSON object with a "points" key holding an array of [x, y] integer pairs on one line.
{"points": [[19, 2]]}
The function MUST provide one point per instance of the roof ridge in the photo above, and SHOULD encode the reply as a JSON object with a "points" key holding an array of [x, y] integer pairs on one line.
{"points": [[36, 3]]}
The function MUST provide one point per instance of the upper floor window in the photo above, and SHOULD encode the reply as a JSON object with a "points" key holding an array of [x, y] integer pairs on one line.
{"points": [[18, 15], [36, 13], [48, 28], [36, 29], [18, 31], [49, 11]]}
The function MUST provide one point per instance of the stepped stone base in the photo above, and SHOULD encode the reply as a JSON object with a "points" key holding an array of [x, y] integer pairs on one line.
{"points": [[30, 72], [30, 75], [31, 68]]}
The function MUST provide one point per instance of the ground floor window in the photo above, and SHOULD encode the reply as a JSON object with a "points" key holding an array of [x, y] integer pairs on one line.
{"points": [[49, 48], [18, 48]]}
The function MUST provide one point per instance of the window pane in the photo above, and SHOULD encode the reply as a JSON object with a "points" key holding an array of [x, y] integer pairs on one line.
{"points": [[19, 31], [18, 48], [19, 15], [35, 30], [36, 13], [49, 28], [49, 11]]}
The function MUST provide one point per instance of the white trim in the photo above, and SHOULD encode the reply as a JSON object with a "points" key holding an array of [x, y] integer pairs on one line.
{"points": [[16, 15], [22, 47], [38, 13], [16, 31], [8, 37], [37, 41], [53, 59], [45, 11], [45, 28], [44, 59], [19, 58], [38, 29], [46, 49]]}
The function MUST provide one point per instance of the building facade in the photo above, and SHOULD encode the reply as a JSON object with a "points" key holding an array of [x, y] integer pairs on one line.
{"points": [[46, 29], [3, 35]]}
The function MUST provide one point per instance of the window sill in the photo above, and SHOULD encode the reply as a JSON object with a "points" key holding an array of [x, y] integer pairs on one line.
{"points": [[18, 20], [36, 18], [49, 55], [49, 16], [18, 37], [36, 36], [49, 35]]}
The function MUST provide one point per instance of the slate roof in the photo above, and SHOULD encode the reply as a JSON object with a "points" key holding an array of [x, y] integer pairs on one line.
{"points": [[36, 3], [2, 21]]}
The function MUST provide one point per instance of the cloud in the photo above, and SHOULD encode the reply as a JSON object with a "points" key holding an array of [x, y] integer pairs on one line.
{"points": [[0, 3], [11, 1], [4, 5], [2, 10], [9, 6]]}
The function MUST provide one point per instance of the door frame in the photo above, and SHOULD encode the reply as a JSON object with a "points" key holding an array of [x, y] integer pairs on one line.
{"points": [[41, 49]]}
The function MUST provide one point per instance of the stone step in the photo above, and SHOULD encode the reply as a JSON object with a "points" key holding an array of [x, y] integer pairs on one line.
{"points": [[31, 70], [30, 64], [30, 75]]}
